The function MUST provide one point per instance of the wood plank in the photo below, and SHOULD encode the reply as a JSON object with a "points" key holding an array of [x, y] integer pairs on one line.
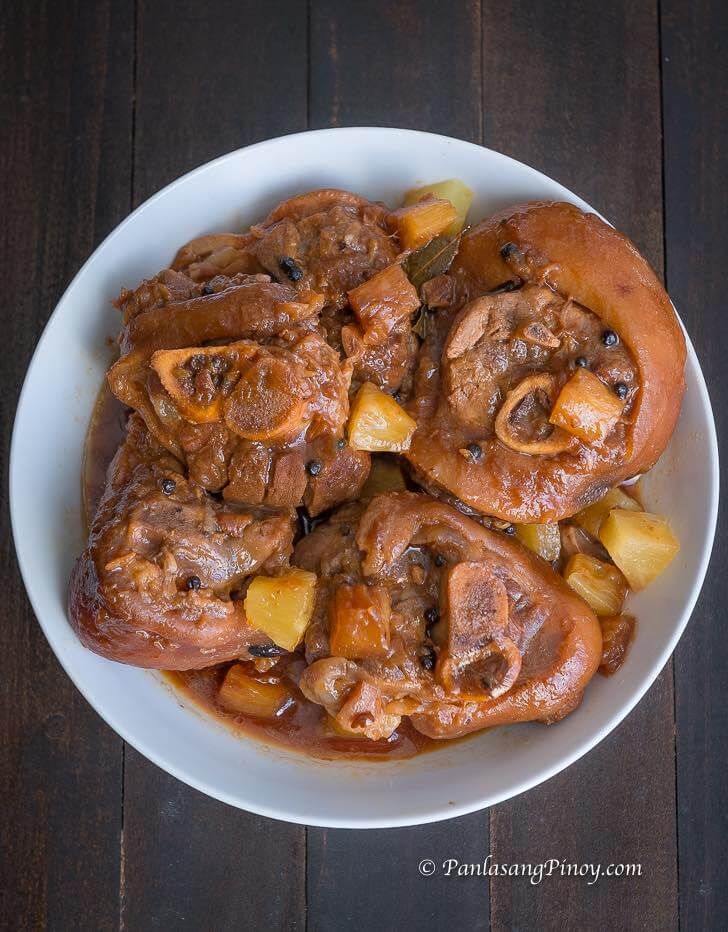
{"points": [[576, 94], [209, 79], [404, 63], [371, 879], [192, 862], [416, 65], [694, 82], [65, 156], [213, 78]]}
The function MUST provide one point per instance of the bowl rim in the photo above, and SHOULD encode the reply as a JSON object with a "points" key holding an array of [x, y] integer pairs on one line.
{"points": [[445, 811]]}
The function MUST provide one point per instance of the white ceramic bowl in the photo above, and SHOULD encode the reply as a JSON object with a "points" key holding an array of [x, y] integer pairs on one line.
{"points": [[53, 413]]}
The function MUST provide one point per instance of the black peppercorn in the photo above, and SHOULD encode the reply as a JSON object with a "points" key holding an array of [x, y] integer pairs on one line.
{"points": [[609, 338], [168, 486], [621, 389], [432, 615], [313, 467], [474, 451], [265, 650], [194, 582], [340, 443], [510, 529], [581, 362], [508, 250], [440, 560], [513, 284], [207, 289], [428, 659], [292, 269]]}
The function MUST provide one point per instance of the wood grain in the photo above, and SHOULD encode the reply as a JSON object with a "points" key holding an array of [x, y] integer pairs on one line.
{"points": [[191, 862], [212, 78], [576, 93], [406, 63], [209, 78], [65, 158], [416, 65], [371, 880], [695, 99]]}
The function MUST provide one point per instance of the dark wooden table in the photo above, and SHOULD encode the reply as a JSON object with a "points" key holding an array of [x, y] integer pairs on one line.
{"points": [[625, 102]]}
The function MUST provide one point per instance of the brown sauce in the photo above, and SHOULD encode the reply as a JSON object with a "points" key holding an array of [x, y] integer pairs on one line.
{"points": [[105, 433], [303, 728]]}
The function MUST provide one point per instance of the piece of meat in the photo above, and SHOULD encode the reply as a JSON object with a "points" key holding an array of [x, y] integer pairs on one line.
{"points": [[477, 655], [390, 365], [580, 301], [439, 292], [167, 287], [259, 419], [617, 634], [311, 463], [380, 342], [355, 702], [319, 246], [248, 473], [208, 450], [479, 632], [365, 710], [332, 550], [288, 479], [337, 240], [156, 585], [341, 477], [252, 309], [216, 254]]}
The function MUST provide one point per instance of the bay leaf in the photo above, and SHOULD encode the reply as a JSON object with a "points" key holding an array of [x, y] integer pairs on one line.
{"points": [[431, 260], [420, 326]]}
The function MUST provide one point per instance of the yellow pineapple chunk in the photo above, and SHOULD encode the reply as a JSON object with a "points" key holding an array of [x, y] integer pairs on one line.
{"points": [[601, 585], [243, 693], [282, 606], [543, 539], [586, 407], [591, 518], [419, 223], [642, 545], [453, 190], [377, 423]]}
